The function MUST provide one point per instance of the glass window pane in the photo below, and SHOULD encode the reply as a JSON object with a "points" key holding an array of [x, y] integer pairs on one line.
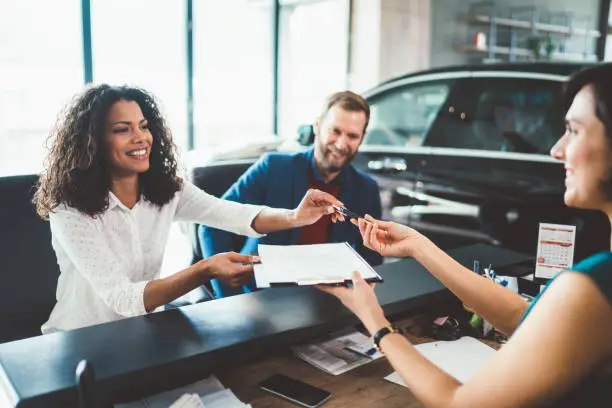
{"points": [[143, 43], [313, 59], [41, 67], [232, 71], [514, 115], [402, 117]]}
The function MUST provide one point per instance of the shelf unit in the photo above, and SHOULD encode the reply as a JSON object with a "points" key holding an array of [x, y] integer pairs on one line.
{"points": [[522, 52], [528, 25], [528, 33]]}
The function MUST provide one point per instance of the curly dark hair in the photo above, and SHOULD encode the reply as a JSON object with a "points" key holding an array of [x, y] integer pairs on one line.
{"points": [[78, 172]]}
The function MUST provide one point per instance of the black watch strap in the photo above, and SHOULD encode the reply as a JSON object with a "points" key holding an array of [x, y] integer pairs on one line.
{"points": [[382, 333]]}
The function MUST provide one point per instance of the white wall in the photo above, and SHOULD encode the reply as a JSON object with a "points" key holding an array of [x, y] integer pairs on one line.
{"points": [[389, 38], [365, 45], [405, 42]]}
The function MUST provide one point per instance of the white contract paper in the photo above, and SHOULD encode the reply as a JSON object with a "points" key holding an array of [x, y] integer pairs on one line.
{"points": [[459, 358], [310, 264]]}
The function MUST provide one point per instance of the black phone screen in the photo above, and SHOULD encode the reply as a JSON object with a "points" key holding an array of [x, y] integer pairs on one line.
{"points": [[295, 390]]}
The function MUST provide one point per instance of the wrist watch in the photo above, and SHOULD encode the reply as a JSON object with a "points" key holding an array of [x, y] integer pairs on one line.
{"points": [[382, 333]]}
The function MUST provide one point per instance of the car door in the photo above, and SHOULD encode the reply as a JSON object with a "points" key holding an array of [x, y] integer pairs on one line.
{"points": [[488, 176], [401, 114]]}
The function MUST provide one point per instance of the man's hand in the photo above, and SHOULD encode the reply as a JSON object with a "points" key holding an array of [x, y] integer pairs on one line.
{"points": [[315, 205], [231, 268]]}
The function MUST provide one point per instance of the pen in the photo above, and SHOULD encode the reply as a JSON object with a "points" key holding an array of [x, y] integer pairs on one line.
{"points": [[345, 211], [367, 353], [348, 213]]}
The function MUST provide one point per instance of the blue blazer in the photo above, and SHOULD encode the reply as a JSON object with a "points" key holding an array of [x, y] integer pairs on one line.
{"points": [[280, 180]]}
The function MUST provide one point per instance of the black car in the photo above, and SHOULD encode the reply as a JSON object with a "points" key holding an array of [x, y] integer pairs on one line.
{"points": [[462, 155]]}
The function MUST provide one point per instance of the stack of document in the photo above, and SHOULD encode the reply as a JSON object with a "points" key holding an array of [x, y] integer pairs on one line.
{"points": [[459, 358], [339, 353], [287, 265], [207, 393]]}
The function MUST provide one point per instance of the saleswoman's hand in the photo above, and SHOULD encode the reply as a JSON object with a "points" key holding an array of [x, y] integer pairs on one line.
{"points": [[389, 238], [314, 205], [361, 300], [231, 268]]}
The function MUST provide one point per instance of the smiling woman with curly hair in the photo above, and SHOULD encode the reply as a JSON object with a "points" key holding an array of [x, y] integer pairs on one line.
{"points": [[78, 167], [111, 192]]}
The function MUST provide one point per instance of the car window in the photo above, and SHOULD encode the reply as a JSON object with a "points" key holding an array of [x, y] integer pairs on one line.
{"points": [[502, 114], [402, 116]]}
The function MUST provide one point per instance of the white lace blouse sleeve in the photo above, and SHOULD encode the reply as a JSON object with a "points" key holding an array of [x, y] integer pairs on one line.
{"points": [[196, 205], [84, 244]]}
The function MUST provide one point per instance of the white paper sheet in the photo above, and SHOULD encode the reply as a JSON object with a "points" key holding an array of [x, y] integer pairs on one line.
{"points": [[555, 249], [207, 386], [261, 280], [460, 358], [222, 399], [310, 264], [188, 401]]}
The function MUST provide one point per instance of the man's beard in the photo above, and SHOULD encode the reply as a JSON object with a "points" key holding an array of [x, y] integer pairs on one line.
{"points": [[329, 166]]}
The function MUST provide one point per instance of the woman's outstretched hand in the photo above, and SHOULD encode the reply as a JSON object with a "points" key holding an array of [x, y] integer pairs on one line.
{"points": [[388, 238], [361, 300], [315, 205], [231, 268]]}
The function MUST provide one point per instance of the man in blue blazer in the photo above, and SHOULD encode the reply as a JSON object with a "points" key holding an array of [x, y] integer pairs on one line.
{"points": [[281, 180]]}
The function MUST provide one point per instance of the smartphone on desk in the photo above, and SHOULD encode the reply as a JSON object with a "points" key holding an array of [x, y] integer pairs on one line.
{"points": [[295, 391]]}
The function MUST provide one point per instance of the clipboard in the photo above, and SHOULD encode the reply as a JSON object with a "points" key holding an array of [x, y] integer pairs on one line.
{"points": [[307, 265]]}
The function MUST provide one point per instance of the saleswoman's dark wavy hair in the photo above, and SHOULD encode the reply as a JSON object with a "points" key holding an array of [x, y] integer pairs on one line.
{"points": [[600, 77], [78, 173]]}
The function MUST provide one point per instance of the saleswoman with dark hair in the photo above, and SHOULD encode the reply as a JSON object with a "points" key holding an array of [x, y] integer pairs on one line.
{"points": [[111, 191], [560, 350]]}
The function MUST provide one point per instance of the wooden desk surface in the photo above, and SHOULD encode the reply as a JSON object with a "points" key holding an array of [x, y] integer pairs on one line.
{"points": [[363, 386]]}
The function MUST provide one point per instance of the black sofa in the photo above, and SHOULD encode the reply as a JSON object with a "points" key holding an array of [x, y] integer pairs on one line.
{"points": [[29, 267]]}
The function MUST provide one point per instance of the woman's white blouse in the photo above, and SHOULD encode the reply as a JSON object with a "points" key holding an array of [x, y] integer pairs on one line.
{"points": [[107, 261]]}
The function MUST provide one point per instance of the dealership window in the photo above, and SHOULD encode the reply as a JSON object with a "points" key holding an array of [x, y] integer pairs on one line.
{"points": [[313, 59], [402, 116], [41, 67], [143, 43], [233, 73]]}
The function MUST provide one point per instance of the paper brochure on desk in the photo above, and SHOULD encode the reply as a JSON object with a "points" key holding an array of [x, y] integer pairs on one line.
{"points": [[339, 353], [289, 265], [459, 358], [555, 249], [207, 393]]}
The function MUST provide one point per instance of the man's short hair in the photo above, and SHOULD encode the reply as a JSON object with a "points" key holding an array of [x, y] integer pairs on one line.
{"points": [[349, 101]]}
